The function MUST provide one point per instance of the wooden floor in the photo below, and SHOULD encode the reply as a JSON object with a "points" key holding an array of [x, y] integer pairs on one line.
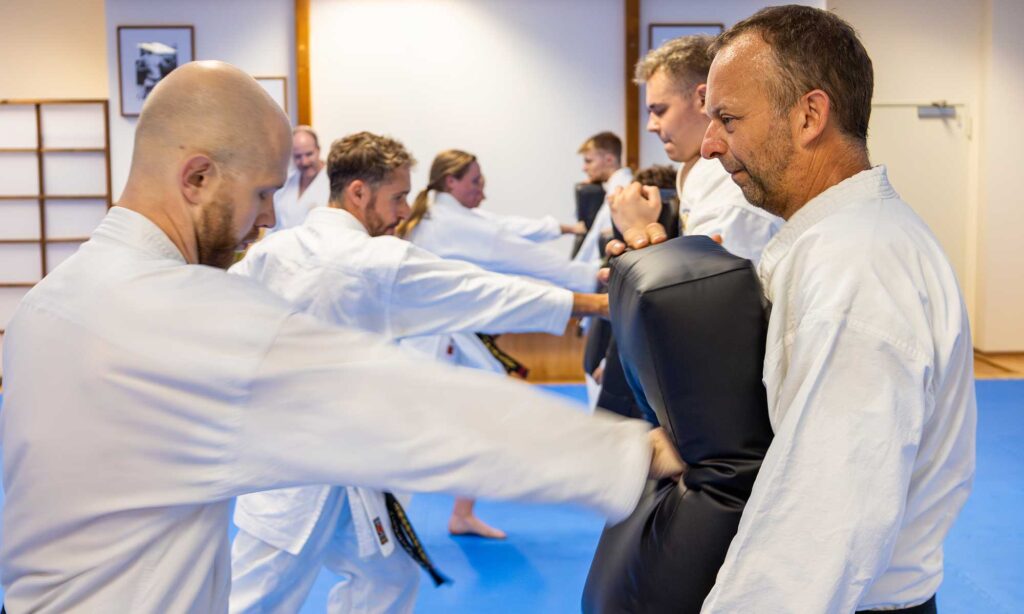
{"points": [[552, 359], [998, 366], [556, 360]]}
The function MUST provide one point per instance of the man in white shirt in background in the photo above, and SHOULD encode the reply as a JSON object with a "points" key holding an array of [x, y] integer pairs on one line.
{"points": [[307, 186], [868, 365], [145, 388], [602, 163], [342, 266]]}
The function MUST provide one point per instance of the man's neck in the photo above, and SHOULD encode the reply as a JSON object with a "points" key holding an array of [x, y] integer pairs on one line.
{"points": [[174, 223], [306, 180], [686, 166], [822, 170]]}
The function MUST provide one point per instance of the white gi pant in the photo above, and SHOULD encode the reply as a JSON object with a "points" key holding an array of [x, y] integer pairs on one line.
{"points": [[265, 579]]}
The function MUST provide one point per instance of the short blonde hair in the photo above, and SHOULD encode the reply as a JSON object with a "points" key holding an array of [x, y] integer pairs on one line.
{"points": [[685, 60], [603, 141]]}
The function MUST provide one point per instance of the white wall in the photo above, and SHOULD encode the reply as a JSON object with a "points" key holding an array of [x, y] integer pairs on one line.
{"points": [[922, 51], [1000, 248], [52, 49], [258, 36], [520, 84], [959, 175], [726, 12]]}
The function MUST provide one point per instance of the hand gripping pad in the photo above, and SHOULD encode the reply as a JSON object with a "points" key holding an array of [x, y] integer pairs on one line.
{"points": [[690, 321]]}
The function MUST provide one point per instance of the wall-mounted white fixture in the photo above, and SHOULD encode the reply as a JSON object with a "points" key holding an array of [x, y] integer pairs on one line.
{"points": [[936, 110]]}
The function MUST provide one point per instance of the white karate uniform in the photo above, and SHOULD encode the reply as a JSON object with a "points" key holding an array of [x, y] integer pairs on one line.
{"points": [[590, 248], [711, 203], [142, 394], [291, 209], [536, 229], [452, 231], [869, 375], [331, 268]]}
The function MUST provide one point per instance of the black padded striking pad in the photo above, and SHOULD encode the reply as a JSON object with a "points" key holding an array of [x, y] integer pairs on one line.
{"points": [[690, 322], [589, 198]]}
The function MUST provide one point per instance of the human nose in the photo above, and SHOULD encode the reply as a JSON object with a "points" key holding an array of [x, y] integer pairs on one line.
{"points": [[712, 146], [652, 123], [266, 218]]}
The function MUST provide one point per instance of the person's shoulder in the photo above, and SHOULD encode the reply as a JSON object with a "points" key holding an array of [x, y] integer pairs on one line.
{"points": [[874, 240], [715, 191], [391, 251]]}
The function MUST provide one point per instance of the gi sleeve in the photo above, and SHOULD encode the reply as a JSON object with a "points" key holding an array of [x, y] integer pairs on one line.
{"points": [[431, 295], [335, 406], [538, 230], [744, 232], [509, 253], [829, 500]]}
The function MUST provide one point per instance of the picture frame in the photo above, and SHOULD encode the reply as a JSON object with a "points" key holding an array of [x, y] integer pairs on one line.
{"points": [[147, 54], [277, 87], [659, 33]]}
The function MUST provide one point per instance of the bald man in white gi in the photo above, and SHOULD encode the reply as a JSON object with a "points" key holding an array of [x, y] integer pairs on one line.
{"points": [[307, 186], [341, 266], [145, 388]]}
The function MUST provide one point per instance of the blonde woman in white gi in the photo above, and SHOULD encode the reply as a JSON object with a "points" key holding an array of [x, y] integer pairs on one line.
{"points": [[444, 221]]}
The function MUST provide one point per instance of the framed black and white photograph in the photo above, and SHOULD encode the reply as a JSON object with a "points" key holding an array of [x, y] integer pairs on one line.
{"points": [[659, 33], [147, 54]]}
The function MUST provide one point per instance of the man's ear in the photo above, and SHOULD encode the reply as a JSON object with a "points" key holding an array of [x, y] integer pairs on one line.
{"points": [[813, 111], [357, 194], [198, 174], [700, 94]]}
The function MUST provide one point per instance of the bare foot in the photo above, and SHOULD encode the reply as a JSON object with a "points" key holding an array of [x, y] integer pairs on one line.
{"points": [[471, 525]]}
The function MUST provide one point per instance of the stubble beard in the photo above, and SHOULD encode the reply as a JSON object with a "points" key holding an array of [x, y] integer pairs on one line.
{"points": [[216, 242], [765, 188], [374, 224]]}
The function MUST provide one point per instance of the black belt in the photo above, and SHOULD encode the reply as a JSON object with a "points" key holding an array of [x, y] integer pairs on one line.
{"points": [[408, 540], [928, 607], [511, 365]]}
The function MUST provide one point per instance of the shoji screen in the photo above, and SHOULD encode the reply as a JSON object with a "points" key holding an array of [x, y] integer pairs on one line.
{"points": [[54, 188]]}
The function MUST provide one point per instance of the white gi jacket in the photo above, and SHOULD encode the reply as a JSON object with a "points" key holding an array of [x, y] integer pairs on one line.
{"points": [[536, 229], [590, 248], [452, 231], [869, 374], [292, 209], [711, 203], [331, 268], [142, 394]]}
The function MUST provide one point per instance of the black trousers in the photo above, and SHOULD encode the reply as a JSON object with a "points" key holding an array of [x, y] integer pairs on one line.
{"points": [[928, 607]]}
